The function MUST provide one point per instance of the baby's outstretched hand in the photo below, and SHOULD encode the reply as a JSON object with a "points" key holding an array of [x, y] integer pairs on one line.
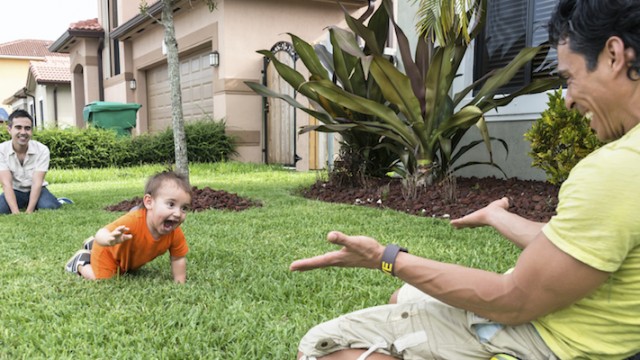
{"points": [[119, 235]]}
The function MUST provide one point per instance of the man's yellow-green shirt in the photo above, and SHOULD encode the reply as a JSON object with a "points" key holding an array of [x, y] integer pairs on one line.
{"points": [[598, 223]]}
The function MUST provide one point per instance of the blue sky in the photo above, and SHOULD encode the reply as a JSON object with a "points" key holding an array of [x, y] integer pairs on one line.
{"points": [[42, 19]]}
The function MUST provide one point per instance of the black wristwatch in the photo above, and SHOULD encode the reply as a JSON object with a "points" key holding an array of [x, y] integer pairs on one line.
{"points": [[389, 258]]}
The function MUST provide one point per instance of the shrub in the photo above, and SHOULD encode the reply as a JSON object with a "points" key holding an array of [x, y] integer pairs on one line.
{"points": [[83, 148], [206, 143], [98, 148], [559, 139], [152, 148], [4, 133]]}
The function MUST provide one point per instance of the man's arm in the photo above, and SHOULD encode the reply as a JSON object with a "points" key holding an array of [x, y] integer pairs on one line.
{"points": [[36, 188], [517, 229], [545, 278], [7, 186], [179, 269]]}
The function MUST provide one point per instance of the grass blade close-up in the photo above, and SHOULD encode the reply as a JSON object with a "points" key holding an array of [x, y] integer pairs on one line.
{"points": [[240, 300]]}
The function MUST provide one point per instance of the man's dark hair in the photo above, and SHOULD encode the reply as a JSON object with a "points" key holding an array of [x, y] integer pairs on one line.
{"points": [[589, 23], [19, 114]]}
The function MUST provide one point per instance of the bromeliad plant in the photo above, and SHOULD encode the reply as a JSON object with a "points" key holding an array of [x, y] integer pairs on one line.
{"points": [[350, 74], [412, 114]]}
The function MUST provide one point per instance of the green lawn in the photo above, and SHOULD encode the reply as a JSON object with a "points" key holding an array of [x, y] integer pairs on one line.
{"points": [[240, 300]]}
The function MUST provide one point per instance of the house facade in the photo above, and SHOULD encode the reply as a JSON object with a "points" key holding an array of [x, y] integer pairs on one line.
{"points": [[510, 26], [121, 57], [34, 79]]}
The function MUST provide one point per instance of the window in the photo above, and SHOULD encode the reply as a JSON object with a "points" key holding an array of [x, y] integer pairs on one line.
{"points": [[111, 51], [512, 25], [41, 105]]}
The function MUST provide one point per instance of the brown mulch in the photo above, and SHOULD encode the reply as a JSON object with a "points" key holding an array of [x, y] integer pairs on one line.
{"points": [[535, 200], [202, 199]]}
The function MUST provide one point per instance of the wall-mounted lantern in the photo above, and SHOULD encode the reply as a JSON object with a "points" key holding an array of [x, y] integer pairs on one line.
{"points": [[214, 58]]}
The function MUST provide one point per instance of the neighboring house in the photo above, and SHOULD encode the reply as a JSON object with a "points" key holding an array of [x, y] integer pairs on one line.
{"points": [[121, 58], [48, 86], [34, 79], [510, 26]]}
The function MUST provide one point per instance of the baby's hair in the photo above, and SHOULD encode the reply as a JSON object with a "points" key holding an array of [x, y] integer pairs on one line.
{"points": [[156, 181]]}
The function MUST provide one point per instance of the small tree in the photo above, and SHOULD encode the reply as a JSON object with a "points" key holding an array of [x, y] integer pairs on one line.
{"points": [[173, 64]]}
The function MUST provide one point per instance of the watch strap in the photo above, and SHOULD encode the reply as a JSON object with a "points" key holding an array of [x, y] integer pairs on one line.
{"points": [[389, 258]]}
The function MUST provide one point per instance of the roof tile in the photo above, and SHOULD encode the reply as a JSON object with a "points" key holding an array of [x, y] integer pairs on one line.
{"points": [[26, 48], [86, 25], [55, 69]]}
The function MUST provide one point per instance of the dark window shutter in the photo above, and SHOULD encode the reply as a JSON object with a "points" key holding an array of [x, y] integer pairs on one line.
{"points": [[543, 63], [512, 25]]}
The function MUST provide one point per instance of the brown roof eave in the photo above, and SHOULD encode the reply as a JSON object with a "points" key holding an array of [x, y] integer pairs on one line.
{"points": [[53, 82], [67, 39], [357, 3], [138, 23]]}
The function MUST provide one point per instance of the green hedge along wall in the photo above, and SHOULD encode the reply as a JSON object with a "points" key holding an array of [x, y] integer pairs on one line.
{"points": [[97, 148]]}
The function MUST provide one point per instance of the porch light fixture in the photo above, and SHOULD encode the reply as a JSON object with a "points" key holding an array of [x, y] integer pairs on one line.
{"points": [[214, 59], [132, 84]]}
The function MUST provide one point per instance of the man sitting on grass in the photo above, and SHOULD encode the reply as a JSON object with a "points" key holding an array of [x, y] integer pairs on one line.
{"points": [[23, 165], [141, 235], [575, 290]]}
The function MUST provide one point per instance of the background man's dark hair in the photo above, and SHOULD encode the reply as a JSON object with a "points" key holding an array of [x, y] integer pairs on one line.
{"points": [[589, 23], [19, 114]]}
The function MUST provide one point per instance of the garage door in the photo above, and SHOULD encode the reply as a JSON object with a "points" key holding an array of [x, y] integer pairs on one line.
{"points": [[196, 78]]}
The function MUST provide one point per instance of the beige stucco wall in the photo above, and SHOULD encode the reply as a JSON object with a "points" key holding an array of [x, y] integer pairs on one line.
{"points": [[54, 96], [13, 75], [84, 61], [196, 29], [253, 25], [236, 29]]}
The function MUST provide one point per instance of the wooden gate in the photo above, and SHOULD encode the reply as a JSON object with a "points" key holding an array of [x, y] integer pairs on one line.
{"points": [[280, 117]]}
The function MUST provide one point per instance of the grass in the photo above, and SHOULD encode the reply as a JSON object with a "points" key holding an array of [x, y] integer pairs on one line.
{"points": [[240, 300]]}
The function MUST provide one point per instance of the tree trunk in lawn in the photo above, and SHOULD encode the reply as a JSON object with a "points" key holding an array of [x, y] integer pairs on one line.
{"points": [[173, 62]]}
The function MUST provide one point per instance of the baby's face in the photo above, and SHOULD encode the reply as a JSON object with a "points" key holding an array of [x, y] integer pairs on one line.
{"points": [[167, 209]]}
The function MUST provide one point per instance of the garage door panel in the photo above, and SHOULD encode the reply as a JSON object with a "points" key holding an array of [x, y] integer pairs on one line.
{"points": [[196, 82]]}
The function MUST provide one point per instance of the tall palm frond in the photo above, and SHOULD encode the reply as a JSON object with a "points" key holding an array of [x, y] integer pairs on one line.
{"points": [[444, 20]]}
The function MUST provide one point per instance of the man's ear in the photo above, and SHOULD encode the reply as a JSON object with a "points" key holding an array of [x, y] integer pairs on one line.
{"points": [[147, 201], [618, 56]]}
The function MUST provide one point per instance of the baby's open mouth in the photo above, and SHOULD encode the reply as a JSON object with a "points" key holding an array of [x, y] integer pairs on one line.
{"points": [[168, 225]]}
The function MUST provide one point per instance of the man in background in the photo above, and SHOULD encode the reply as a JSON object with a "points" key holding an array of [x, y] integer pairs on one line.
{"points": [[23, 165]]}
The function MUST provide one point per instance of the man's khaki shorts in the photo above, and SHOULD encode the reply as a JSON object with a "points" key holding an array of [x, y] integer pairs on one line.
{"points": [[421, 327]]}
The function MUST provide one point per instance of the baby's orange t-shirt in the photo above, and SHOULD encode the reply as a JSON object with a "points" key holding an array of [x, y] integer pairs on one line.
{"points": [[107, 261]]}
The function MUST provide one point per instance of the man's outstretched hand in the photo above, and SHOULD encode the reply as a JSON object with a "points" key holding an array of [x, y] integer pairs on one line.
{"points": [[484, 216], [357, 251]]}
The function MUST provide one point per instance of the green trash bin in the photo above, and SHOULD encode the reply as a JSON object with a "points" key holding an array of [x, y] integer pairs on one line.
{"points": [[112, 115]]}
